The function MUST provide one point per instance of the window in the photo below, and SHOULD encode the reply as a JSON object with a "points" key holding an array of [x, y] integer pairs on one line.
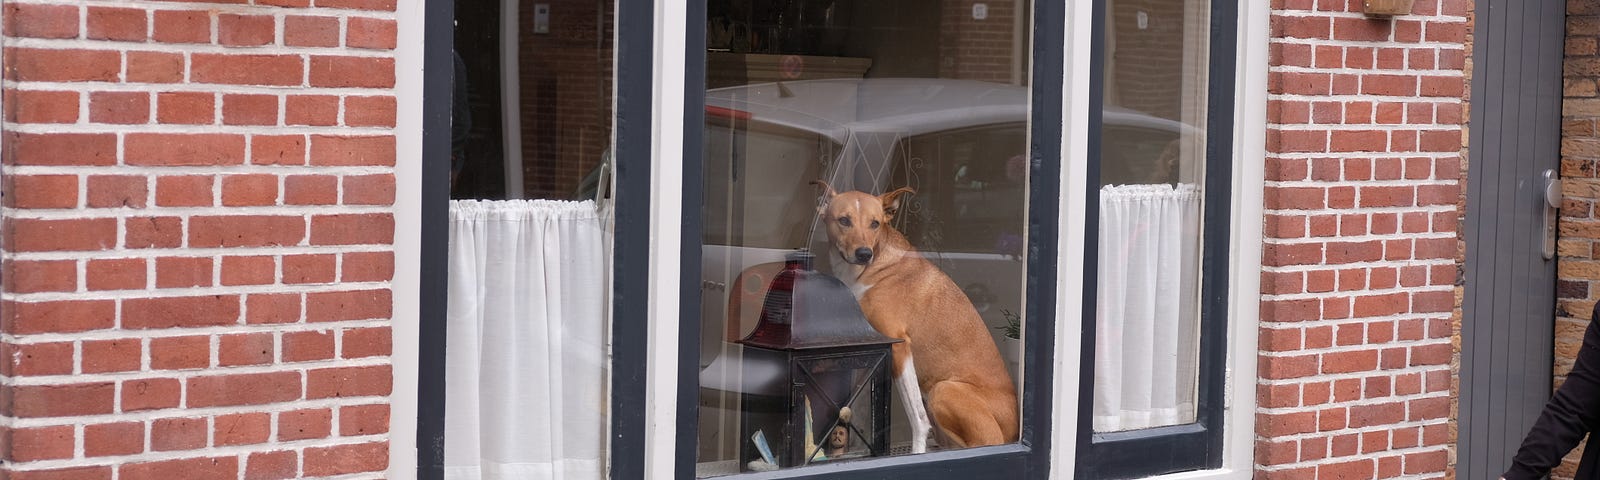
{"points": [[518, 150], [1154, 345], [925, 114]]}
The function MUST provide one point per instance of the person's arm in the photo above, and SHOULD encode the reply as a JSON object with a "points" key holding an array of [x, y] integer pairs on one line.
{"points": [[1572, 412]]}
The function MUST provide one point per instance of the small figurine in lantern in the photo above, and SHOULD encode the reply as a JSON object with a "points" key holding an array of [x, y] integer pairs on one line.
{"points": [[817, 367]]}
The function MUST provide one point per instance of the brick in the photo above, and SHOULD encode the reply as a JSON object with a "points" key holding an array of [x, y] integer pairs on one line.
{"points": [[278, 150], [186, 108], [119, 24], [155, 67], [61, 149], [245, 231], [247, 109], [41, 65], [168, 434], [252, 270], [42, 443], [245, 349], [367, 267], [1349, 361], [243, 389], [363, 420], [172, 312], [242, 429], [184, 191], [249, 190], [183, 149], [272, 465], [1377, 414], [305, 424], [63, 316], [180, 353], [346, 459], [272, 308], [371, 33], [38, 359], [312, 110], [40, 21], [70, 473], [119, 107], [319, 268], [352, 72], [267, 70], [351, 305], [308, 346], [38, 106], [154, 232], [245, 30], [377, 189], [107, 439], [68, 400], [150, 394], [335, 151], [116, 191], [352, 229], [369, 111], [379, 5], [219, 467], [181, 26], [306, 31], [106, 356], [182, 272], [34, 276], [311, 190], [340, 382]]}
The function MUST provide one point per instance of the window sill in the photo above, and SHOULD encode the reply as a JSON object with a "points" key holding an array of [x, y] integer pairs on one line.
{"points": [[1217, 474]]}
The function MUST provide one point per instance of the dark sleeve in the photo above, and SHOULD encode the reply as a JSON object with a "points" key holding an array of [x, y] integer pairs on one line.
{"points": [[460, 112], [1573, 412]]}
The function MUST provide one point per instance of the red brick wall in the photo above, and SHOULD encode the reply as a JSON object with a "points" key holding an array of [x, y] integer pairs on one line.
{"points": [[197, 233], [1577, 266], [565, 79], [1364, 174], [978, 49]]}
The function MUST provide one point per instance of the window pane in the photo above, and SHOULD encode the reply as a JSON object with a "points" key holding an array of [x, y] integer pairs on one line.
{"points": [[869, 97], [526, 334], [1152, 167]]}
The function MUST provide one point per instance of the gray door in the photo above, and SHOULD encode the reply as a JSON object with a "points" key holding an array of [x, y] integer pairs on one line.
{"points": [[1509, 306]]}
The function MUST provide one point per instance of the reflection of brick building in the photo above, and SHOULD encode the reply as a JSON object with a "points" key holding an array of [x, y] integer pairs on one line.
{"points": [[992, 49], [565, 94], [1145, 56]]}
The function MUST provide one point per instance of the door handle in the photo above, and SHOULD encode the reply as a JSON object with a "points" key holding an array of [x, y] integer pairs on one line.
{"points": [[1552, 204]]}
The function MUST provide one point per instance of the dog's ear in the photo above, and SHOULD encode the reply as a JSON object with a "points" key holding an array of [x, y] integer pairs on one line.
{"points": [[891, 201], [827, 195]]}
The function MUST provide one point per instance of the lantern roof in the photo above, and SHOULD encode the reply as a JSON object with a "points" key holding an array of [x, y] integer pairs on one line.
{"points": [[807, 309]]}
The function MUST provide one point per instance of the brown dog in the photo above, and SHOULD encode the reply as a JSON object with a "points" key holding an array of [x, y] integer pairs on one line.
{"points": [[946, 355]]}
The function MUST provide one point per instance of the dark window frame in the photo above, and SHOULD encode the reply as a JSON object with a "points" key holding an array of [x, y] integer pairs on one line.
{"points": [[1030, 457], [1199, 445], [634, 43]]}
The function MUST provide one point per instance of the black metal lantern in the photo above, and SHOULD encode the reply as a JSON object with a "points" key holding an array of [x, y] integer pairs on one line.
{"points": [[819, 375]]}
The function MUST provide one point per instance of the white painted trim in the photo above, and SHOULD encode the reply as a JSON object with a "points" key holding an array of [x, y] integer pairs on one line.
{"points": [[511, 99], [666, 208], [1244, 288], [406, 286], [1075, 96]]}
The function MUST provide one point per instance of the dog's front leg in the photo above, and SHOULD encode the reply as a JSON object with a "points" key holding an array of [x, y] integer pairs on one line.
{"points": [[911, 398]]}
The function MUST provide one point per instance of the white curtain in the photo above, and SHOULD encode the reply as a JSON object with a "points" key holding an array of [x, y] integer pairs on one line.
{"points": [[1146, 339], [526, 360]]}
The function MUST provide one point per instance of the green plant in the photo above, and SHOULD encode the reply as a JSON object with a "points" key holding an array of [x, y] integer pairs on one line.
{"points": [[1013, 326]]}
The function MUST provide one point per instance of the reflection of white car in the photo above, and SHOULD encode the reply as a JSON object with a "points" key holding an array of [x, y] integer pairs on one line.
{"points": [[961, 144]]}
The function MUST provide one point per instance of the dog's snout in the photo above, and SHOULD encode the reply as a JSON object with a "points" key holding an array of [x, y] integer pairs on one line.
{"points": [[863, 255]]}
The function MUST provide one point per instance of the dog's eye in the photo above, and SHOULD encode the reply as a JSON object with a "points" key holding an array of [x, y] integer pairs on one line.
{"points": [[874, 224], [844, 222]]}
